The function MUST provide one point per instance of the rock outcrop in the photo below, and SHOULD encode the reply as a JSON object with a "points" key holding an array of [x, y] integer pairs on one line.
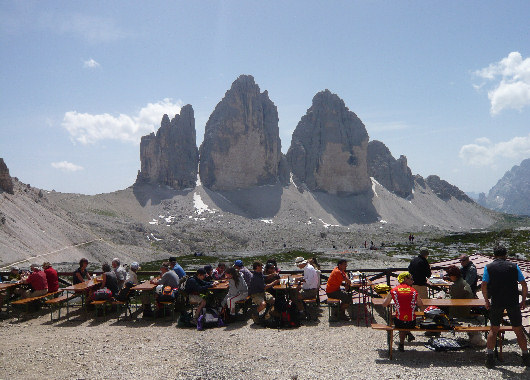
{"points": [[171, 156], [329, 148], [444, 190], [393, 174], [511, 194], [6, 182], [241, 147]]}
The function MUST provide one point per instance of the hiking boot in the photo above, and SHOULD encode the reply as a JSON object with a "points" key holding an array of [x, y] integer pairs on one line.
{"points": [[410, 337], [490, 361], [401, 347], [526, 359]]}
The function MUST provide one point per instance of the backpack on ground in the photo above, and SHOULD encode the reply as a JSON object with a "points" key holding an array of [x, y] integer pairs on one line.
{"points": [[209, 318], [445, 344], [185, 320]]}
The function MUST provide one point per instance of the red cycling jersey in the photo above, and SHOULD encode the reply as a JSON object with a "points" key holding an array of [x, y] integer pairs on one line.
{"points": [[405, 298]]}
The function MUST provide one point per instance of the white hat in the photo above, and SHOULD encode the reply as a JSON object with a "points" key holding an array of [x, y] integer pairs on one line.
{"points": [[135, 265], [300, 260]]}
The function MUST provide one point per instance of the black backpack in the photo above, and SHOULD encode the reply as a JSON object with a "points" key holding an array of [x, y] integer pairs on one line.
{"points": [[125, 293]]}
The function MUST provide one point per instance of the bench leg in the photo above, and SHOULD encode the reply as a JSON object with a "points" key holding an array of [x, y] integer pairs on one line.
{"points": [[390, 342]]}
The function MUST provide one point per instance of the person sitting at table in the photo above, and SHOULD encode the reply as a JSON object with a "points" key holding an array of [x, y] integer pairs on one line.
{"points": [[310, 283], [257, 290], [131, 274], [405, 298], [81, 274], [469, 272], [274, 263], [14, 274], [460, 289], [337, 278], [174, 266], [119, 270], [51, 277], [37, 281], [237, 289], [219, 272], [247, 275], [209, 270], [197, 287], [168, 277], [109, 279]]}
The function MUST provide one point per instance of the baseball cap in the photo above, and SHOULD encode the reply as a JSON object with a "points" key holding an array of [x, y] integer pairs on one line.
{"points": [[238, 263], [300, 260], [135, 265]]}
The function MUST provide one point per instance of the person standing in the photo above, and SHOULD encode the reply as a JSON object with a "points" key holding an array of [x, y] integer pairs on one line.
{"points": [[469, 272], [405, 299], [121, 273], [420, 270], [500, 283]]}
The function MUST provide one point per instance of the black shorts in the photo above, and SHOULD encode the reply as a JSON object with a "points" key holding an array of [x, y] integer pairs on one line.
{"points": [[514, 313], [399, 324]]}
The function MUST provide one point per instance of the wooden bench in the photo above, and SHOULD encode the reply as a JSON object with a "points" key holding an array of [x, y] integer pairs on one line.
{"points": [[244, 304], [102, 304], [57, 302], [333, 309], [390, 332], [30, 300]]}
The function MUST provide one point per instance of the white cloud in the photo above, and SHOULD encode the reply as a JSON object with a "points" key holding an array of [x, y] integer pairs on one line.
{"points": [[66, 166], [91, 64], [484, 152], [88, 128], [512, 78]]}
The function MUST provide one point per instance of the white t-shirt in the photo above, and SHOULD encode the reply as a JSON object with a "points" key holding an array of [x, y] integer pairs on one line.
{"points": [[311, 277]]}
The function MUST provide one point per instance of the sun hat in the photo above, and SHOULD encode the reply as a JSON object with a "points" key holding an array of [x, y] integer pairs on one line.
{"points": [[238, 263], [403, 275], [14, 267], [300, 260]]}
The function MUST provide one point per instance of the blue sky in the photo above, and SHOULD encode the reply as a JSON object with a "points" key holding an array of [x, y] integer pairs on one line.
{"points": [[446, 83]]}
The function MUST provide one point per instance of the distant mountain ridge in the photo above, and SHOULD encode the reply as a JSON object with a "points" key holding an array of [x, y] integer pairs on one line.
{"points": [[511, 194]]}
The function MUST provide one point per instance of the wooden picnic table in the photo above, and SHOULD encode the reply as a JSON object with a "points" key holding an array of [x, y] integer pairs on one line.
{"points": [[83, 289], [144, 286], [8, 285], [448, 302]]}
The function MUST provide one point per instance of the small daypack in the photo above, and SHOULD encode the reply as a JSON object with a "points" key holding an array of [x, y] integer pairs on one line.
{"points": [[102, 294], [125, 293], [166, 294], [209, 318]]}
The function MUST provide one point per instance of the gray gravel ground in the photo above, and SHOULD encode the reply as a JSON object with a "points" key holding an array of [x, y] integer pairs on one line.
{"points": [[37, 349]]}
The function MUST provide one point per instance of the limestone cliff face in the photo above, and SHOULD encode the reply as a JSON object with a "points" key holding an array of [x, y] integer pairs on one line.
{"points": [[393, 174], [241, 147], [329, 148], [6, 182], [171, 156]]}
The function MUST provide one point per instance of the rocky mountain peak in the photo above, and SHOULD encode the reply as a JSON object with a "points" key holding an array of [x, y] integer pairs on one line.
{"points": [[329, 146], [171, 156], [395, 175], [6, 182], [511, 193], [241, 146], [444, 190]]}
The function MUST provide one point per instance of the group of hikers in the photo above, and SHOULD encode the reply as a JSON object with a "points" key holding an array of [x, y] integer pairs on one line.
{"points": [[256, 283], [499, 288]]}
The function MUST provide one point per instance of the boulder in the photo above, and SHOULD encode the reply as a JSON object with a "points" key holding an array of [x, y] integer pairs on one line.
{"points": [[393, 174], [329, 148], [171, 156], [6, 182], [241, 147]]}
